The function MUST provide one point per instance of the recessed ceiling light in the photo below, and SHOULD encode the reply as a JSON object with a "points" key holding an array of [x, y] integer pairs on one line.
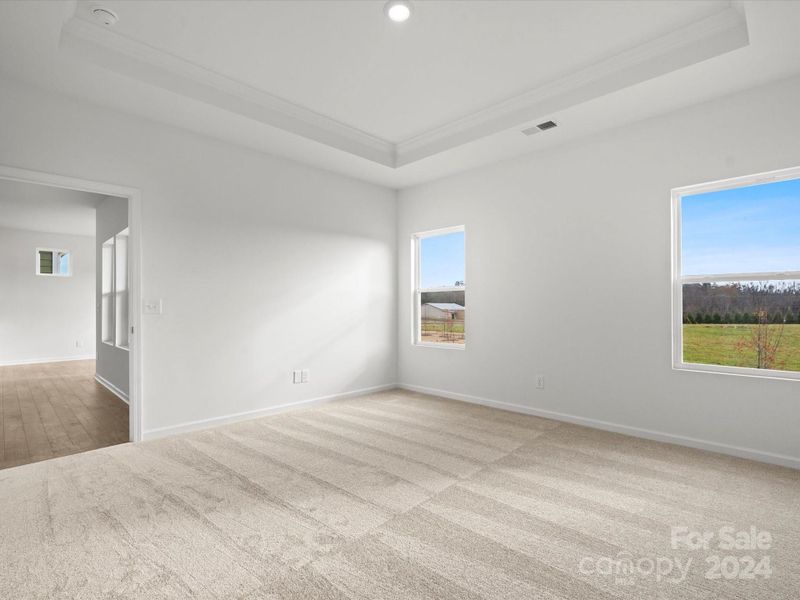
{"points": [[105, 15], [398, 10]]}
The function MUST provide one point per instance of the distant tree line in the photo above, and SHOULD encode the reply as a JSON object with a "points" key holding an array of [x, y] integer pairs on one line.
{"points": [[737, 318], [738, 303]]}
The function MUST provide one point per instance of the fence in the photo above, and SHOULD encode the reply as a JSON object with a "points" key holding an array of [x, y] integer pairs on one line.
{"points": [[450, 331]]}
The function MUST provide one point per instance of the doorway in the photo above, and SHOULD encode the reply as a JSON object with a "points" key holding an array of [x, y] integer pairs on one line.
{"points": [[70, 351]]}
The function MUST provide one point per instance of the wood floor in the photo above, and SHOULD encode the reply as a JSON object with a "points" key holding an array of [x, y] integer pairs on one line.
{"points": [[56, 409]]}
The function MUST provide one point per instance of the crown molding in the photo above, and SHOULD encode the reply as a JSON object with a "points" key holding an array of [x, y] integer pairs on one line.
{"points": [[106, 48], [715, 35], [720, 33]]}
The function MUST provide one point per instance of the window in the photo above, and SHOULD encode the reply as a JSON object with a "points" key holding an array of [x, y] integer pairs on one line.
{"points": [[107, 292], [50, 261], [439, 288], [121, 288], [114, 291], [736, 276]]}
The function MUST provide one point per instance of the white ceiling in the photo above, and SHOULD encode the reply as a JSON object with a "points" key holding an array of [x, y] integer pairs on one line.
{"points": [[336, 85], [49, 209], [346, 61]]}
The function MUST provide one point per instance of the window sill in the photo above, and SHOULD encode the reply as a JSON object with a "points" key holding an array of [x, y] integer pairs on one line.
{"points": [[738, 371], [443, 346]]}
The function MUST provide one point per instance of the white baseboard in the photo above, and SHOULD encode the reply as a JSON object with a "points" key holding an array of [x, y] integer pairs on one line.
{"points": [[658, 436], [112, 388], [261, 412], [36, 361]]}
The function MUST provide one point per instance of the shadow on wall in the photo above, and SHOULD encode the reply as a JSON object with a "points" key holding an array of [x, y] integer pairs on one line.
{"points": [[283, 300]]}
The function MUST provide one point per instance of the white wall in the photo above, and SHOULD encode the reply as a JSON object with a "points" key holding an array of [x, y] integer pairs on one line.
{"points": [[42, 318], [266, 266], [581, 237], [112, 362], [263, 265]]}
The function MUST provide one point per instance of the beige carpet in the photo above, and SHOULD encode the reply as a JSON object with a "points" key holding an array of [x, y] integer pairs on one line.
{"points": [[392, 496]]}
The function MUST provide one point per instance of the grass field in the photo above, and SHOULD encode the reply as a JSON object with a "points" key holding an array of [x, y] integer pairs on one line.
{"points": [[716, 345]]}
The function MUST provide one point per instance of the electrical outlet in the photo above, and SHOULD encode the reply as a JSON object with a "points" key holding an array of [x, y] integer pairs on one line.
{"points": [[540, 382], [78, 344]]}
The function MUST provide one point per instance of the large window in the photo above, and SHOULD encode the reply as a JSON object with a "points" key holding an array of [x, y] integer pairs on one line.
{"points": [[439, 288], [736, 276], [121, 288], [114, 319], [107, 292]]}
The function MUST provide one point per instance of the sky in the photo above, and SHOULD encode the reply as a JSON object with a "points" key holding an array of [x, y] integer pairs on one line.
{"points": [[442, 260], [745, 230]]}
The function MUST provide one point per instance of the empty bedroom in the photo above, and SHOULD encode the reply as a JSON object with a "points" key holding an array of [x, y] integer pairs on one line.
{"points": [[405, 299]]}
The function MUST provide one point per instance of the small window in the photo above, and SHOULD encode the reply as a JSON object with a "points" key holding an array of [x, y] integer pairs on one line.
{"points": [[736, 276], [440, 288], [53, 262]]}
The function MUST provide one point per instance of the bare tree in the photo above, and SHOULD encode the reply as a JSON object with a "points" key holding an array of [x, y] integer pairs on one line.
{"points": [[765, 340]]}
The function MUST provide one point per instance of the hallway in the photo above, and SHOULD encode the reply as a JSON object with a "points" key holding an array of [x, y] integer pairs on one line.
{"points": [[55, 409]]}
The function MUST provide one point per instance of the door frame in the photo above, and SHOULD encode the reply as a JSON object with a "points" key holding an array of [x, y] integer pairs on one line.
{"points": [[134, 198]]}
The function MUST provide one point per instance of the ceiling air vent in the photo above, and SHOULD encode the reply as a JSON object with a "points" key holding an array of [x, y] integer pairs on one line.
{"points": [[540, 127]]}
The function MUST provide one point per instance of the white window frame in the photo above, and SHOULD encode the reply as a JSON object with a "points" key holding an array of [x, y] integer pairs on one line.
{"points": [[113, 294], [121, 240], [54, 251], [416, 333], [108, 325], [678, 279]]}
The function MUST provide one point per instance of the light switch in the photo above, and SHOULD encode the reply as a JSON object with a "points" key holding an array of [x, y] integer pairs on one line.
{"points": [[153, 307]]}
